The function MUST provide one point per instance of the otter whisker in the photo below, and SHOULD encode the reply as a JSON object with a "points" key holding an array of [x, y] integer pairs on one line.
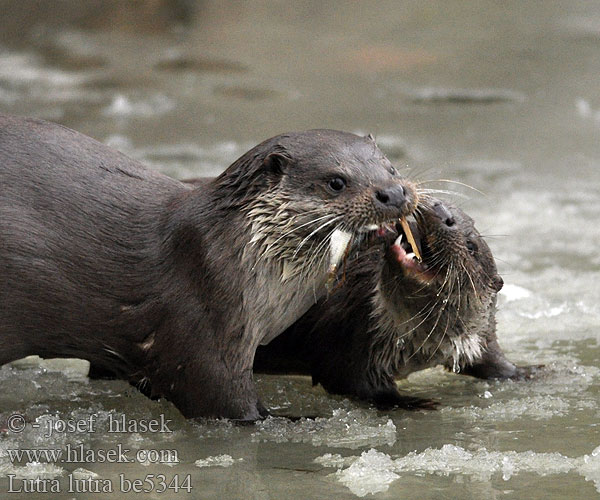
{"points": [[296, 228], [331, 221], [427, 337], [431, 309], [472, 283], [425, 285], [319, 252], [442, 191], [449, 181], [267, 248], [315, 258], [436, 322], [442, 337]]}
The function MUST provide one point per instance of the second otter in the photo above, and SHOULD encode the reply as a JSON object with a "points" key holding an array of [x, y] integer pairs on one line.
{"points": [[394, 315]]}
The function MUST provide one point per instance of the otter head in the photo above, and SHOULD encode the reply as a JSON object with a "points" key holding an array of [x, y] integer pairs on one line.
{"points": [[309, 195], [443, 304]]}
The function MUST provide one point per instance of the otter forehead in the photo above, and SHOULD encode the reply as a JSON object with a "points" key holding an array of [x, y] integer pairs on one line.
{"points": [[343, 152], [454, 223]]}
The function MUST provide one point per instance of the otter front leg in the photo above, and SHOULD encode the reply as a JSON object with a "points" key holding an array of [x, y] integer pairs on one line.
{"points": [[494, 365], [211, 390]]}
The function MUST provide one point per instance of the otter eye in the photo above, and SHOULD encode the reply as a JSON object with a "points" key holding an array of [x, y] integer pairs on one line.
{"points": [[471, 247], [337, 184], [393, 171]]}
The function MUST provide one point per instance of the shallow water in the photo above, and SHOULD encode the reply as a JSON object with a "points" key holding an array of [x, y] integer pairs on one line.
{"points": [[501, 96]]}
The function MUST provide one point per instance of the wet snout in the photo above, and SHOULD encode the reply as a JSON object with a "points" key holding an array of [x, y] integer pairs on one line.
{"points": [[444, 214], [395, 199]]}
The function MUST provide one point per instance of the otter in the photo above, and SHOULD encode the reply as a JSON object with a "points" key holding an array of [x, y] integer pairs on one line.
{"points": [[394, 315], [169, 287]]}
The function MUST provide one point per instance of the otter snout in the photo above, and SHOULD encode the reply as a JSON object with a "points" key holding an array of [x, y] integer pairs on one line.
{"points": [[394, 195], [444, 214], [392, 198]]}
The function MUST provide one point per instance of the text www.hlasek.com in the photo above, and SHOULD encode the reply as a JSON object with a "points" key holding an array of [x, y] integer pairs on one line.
{"points": [[80, 454]]}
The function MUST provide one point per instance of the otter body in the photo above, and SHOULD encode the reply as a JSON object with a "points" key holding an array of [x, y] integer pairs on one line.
{"points": [[169, 287], [393, 315]]}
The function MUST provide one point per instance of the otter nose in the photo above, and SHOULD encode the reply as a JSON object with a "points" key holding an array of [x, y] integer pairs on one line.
{"points": [[393, 196], [444, 214]]}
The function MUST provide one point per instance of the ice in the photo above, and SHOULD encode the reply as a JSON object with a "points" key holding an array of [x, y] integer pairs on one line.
{"points": [[345, 429], [81, 473], [562, 378], [482, 464], [589, 467], [122, 105], [583, 108], [28, 69], [511, 292], [32, 470], [371, 473], [214, 428], [334, 460], [217, 461], [297, 396], [531, 407], [374, 471], [549, 312]]}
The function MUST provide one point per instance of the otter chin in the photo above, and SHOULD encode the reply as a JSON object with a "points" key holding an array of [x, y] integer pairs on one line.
{"points": [[426, 296], [172, 286]]}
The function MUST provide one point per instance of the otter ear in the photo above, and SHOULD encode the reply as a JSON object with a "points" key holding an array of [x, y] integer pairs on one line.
{"points": [[497, 282], [276, 162]]}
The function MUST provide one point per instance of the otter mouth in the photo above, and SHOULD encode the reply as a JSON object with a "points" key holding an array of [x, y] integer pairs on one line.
{"points": [[407, 250], [340, 242]]}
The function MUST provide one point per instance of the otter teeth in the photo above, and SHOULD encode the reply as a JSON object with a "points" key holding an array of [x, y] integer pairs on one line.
{"points": [[398, 241]]}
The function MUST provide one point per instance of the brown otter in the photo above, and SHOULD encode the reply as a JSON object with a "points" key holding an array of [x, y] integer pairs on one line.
{"points": [[394, 315], [169, 287]]}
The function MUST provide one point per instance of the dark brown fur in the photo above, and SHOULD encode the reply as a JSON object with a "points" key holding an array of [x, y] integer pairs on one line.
{"points": [[169, 287]]}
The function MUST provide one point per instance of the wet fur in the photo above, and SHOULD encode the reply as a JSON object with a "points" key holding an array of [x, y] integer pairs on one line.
{"points": [[382, 325], [169, 287]]}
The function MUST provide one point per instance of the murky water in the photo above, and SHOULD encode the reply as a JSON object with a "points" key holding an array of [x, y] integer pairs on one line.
{"points": [[502, 96]]}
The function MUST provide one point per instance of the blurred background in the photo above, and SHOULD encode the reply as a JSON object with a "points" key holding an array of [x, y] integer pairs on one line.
{"points": [[438, 82], [503, 96]]}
